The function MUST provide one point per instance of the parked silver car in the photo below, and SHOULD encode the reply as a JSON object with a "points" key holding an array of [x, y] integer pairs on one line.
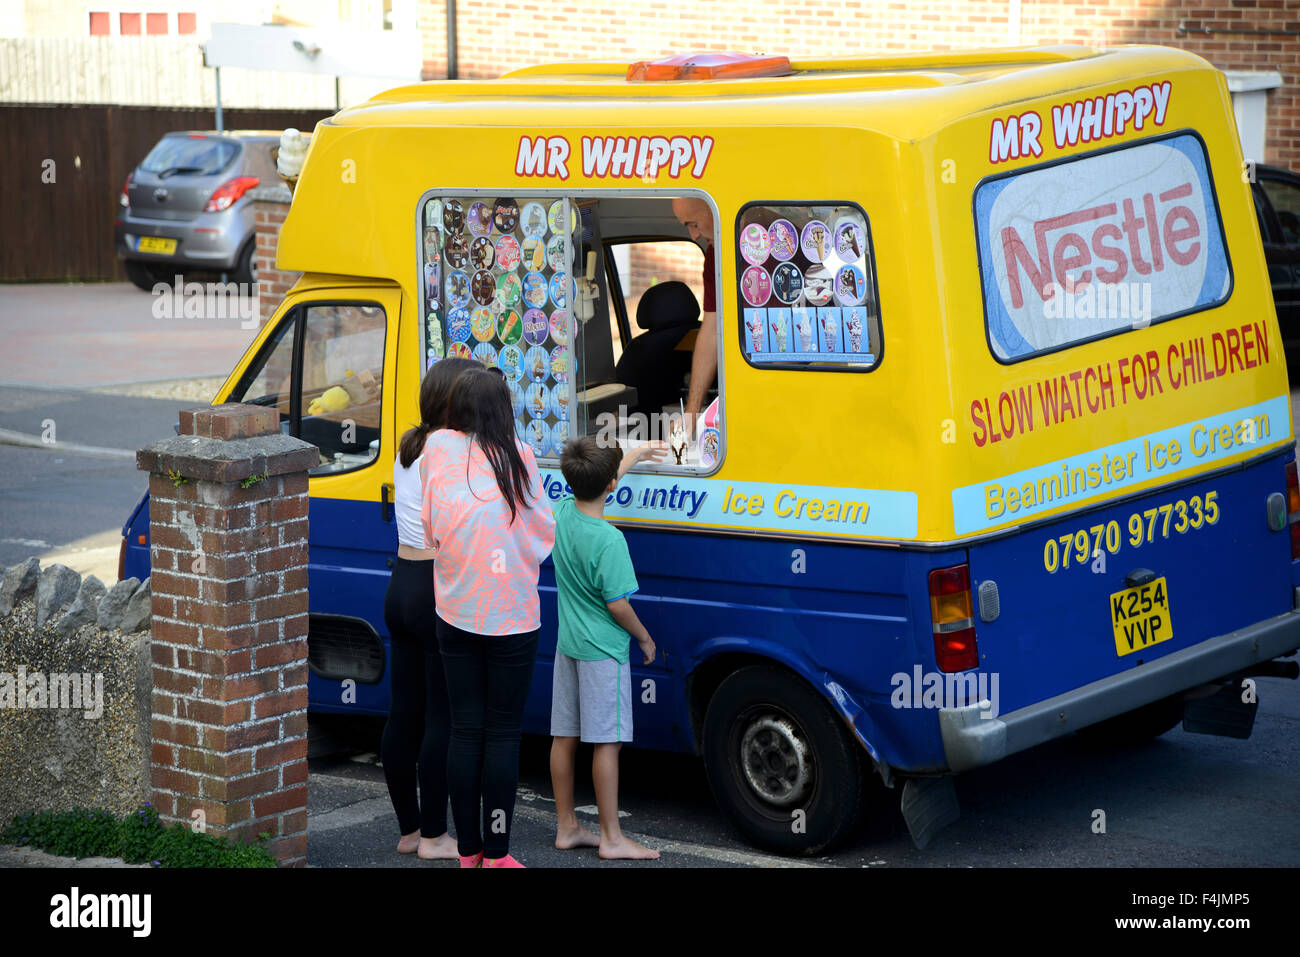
{"points": [[186, 205]]}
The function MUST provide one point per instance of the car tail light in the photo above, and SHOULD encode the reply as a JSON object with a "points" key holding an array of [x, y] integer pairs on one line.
{"points": [[228, 193], [121, 560], [1293, 508], [953, 619], [125, 200]]}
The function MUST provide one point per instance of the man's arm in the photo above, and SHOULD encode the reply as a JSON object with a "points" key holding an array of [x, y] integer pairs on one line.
{"points": [[704, 368]]}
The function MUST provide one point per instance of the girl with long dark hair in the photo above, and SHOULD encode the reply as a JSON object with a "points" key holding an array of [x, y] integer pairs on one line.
{"points": [[418, 718], [493, 527]]}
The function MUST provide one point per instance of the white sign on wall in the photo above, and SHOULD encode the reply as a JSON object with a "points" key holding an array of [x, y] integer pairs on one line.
{"points": [[392, 54]]}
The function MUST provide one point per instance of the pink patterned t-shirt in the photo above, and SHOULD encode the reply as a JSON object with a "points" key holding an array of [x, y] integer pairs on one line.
{"points": [[485, 578]]}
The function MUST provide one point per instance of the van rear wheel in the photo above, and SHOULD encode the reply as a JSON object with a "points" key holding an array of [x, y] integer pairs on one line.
{"points": [[779, 763]]}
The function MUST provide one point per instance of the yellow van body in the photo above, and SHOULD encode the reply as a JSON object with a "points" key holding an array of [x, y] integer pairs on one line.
{"points": [[849, 531]]}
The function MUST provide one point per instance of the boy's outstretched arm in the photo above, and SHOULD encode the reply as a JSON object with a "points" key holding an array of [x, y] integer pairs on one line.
{"points": [[652, 451], [627, 620]]}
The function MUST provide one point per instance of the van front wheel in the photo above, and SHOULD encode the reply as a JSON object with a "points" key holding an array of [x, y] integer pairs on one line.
{"points": [[779, 764]]}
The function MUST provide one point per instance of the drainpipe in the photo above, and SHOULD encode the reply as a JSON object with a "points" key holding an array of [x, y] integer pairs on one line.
{"points": [[451, 40]]}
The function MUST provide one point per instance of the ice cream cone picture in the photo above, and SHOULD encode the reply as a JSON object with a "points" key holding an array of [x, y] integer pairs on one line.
{"points": [[803, 325], [754, 322], [783, 238], [853, 327], [830, 323], [537, 362], [850, 240], [453, 216], [780, 325], [533, 220], [814, 240], [850, 285]]}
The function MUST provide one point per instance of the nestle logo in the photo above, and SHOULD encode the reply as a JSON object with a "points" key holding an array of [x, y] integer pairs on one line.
{"points": [[1142, 237]]}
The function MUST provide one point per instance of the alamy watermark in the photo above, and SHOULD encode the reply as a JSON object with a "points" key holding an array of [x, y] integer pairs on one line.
{"points": [[212, 300], [933, 689], [56, 691]]}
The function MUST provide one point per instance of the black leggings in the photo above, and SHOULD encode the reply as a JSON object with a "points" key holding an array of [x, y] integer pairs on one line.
{"points": [[418, 719], [488, 677]]}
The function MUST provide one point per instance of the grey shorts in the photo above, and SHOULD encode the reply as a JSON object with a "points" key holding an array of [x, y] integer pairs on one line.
{"points": [[591, 700]]}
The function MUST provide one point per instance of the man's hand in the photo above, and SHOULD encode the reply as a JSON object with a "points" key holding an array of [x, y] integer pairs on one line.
{"points": [[647, 648]]}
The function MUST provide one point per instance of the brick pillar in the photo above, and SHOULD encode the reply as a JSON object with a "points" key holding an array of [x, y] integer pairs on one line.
{"points": [[270, 207], [229, 630]]}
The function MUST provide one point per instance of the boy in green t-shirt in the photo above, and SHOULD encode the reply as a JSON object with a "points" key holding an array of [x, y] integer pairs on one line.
{"points": [[591, 692]]}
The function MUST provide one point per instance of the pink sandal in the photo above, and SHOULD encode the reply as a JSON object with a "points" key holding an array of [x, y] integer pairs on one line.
{"points": [[506, 861], [474, 860]]}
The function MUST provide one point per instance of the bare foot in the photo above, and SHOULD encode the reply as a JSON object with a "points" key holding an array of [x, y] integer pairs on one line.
{"points": [[625, 849], [579, 836], [408, 843], [438, 848]]}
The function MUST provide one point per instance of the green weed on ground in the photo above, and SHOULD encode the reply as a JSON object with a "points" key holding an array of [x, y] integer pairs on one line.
{"points": [[137, 838]]}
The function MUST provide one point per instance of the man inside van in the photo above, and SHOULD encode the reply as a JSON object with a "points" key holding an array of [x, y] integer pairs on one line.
{"points": [[697, 217]]}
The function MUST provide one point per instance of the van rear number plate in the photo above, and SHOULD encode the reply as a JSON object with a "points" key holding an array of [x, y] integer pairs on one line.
{"points": [[1140, 617]]}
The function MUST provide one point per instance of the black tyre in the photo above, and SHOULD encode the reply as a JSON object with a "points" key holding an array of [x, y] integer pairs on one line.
{"points": [[142, 275], [1136, 726], [780, 764], [245, 270]]}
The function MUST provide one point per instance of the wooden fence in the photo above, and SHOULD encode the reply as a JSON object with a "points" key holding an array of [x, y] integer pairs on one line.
{"points": [[61, 174]]}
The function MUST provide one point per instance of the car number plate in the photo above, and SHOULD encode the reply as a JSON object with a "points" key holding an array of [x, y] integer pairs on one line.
{"points": [[1140, 617], [157, 244]]}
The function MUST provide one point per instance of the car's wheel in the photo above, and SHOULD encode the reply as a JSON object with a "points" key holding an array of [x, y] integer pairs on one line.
{"points": [[142, 275], [1136, 726], [245, 270], [779, 763]]}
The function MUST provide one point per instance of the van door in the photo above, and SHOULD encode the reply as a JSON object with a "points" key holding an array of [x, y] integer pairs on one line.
{"points": [[327, 366]]}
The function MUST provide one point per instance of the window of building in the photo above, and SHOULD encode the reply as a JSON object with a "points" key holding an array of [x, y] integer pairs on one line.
{"points": [[129, 24], [100, 23], [807, 286]]}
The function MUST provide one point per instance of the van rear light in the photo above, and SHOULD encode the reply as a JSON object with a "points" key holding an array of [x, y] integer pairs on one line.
{"points": [[125, 199], [121, 560], [1293, 508], [953, 618], [228, 193]]}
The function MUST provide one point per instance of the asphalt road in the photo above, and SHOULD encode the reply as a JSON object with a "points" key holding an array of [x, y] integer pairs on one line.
{"points": [[68, 506], [1181, 800]]}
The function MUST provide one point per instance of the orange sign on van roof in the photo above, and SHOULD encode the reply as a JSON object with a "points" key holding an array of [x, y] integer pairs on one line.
{"points": [[709, 66]]}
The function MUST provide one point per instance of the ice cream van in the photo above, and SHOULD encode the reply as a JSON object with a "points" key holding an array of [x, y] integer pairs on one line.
{"points": [[1001, 448]]}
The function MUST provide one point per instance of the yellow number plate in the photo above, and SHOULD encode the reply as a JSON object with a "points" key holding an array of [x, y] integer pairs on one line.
{"points": [[1140, 617], [156, 244]]}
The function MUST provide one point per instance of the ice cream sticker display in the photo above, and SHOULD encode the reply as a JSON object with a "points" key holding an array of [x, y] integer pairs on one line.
{"points": [[806, 291], [496, 287]]}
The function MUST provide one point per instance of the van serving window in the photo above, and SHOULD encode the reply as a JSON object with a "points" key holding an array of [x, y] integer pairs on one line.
{"points": [[807, 287], [1095, 245], [496, 287]]}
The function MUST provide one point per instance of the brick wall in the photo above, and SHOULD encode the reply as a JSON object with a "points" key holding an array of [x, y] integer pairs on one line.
{"points": [[269, 215], [506, 34]]}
